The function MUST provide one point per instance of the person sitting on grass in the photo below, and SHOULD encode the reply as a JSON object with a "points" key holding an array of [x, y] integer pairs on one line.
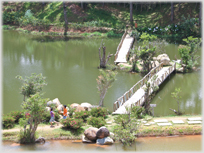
{"points": [[65, 112], [52, 119]]}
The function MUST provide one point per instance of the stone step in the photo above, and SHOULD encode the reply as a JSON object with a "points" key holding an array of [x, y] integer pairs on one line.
{"points": [[161, 121], [177, 121], [195, 119], [194, 122], [164, 124]]}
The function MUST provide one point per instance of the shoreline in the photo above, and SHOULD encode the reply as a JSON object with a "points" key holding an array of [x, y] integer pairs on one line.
{"points": [[154, 130]]}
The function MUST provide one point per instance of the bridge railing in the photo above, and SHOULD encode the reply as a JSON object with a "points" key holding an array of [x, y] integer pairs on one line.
{"points": [[120, 101], [120, 44]]}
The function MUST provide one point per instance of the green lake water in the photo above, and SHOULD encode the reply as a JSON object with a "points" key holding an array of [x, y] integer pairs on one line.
{"points": [[70, 68]]}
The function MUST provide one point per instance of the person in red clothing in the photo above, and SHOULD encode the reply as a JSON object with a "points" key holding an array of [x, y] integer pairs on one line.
{"points": [[65, 112]]}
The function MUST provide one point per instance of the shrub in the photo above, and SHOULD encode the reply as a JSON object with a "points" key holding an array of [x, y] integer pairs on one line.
{"points": [[72, 123], [17, 115], [71, 111], [82, 115], [8, 122], [99, 112], [96, 122], [46, 117]]}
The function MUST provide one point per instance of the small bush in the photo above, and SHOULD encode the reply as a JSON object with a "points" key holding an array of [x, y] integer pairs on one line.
{"points": [[82, 115], [96, 122], [17, 115], [71, 111], [8, 122], [46, 117], [72, 123], [99, 112]]}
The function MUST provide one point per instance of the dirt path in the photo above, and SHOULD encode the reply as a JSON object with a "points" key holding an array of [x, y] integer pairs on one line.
{"points": [[41, 127], [47, 127]]}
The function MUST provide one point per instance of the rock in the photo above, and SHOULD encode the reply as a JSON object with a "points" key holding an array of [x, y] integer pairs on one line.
{"points": [[90, 133], [102, 132], [79, 108], [111, 134], [48, 109], [74, 105], [154, 63], [85, 139], [154, 58], [55, 101], [86, 106], [105, 141], [180, 70], [60, 108], [163, 58]]}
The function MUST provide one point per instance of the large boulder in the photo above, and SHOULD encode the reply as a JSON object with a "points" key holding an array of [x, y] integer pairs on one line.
{"points": [[85, 139], [163, 58], [90, 133], [86, 106], [102, 132], [79, 108], [74, 105], [55, 101], [105, 141]]}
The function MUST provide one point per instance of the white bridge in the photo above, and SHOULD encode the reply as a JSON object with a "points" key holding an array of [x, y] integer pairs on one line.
{"points": [[136, 95]]}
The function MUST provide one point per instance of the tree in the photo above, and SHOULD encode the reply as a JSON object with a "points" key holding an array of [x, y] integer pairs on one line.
{"points": [[127, 125], [32, 84], [150, 91], [36, 107], [200, 14], [147, 51], [65, 19], [103, 60], [104, 81], [188, 52], [172, 11], [131, 18], [177, 97]]}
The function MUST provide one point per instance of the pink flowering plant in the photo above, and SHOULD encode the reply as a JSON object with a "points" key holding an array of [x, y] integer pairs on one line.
{"points": [[72, 123], [8, 122], [82, 115], [99, 112], [96, 121], [16, 115]]}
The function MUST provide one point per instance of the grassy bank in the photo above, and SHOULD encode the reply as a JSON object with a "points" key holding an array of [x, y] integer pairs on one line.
{"points": [[59, 133], [103, 19]]}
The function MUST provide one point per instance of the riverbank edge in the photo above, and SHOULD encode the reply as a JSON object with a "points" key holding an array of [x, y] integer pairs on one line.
{"points": [[70, 34], [144, 131]]}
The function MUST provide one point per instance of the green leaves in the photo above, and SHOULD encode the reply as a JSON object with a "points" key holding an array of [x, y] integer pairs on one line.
{"points": [[104, 81], [32, 84]]}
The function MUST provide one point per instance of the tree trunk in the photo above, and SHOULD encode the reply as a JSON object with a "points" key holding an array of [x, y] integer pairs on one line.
{"points": [[103, 60], [65, 19], [179, 6], [200, 14], [172, 11], [131, 18], [82, 5]]}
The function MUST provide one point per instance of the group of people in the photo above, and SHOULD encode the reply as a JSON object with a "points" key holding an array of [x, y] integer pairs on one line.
{"points": [[52, 114]]}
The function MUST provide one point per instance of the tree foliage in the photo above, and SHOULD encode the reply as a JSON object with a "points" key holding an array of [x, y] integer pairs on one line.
{"points": [[104, 81], [35, 105], [32, 84], [127, 125], [176, 95], [150, 91], [188, 52], [146, 52]]}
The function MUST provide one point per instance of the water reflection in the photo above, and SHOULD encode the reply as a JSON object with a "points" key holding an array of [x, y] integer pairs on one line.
{"points": [[70, 68], [174, 143]]}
